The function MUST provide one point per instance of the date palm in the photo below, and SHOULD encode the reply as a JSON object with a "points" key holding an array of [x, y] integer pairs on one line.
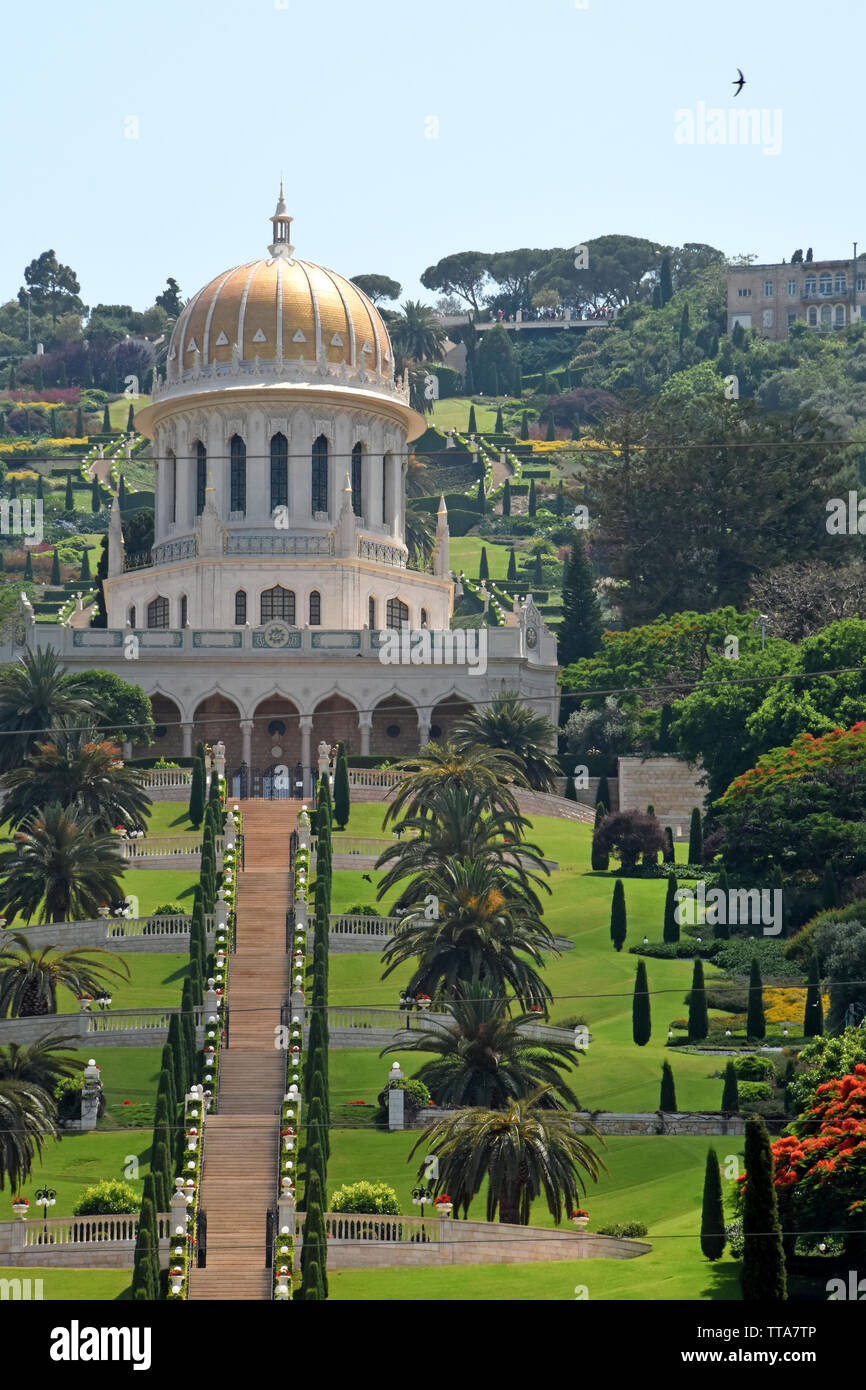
{"points": [[419, 535], [513, 727], [487, 771], [62, 865], [77, 769], [417, 334], [484, 1057], [28, 1116], [479, 933], [41, 1063], [522, 1152], [35, 698], [30, 979]]}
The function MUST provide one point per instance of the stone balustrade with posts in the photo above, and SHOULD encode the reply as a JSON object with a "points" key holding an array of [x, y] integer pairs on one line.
{"points": [[360, 777], [360, 1026], [78, 1242], [127, 934], [156, 851], [116, 1027], [157, 778]]}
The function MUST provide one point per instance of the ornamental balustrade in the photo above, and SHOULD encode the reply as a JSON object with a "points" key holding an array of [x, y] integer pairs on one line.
{"points": [[359, 924], [276, 543], [168, 551], [374, 777], [381, 553], [382, 1230], [166, 777], [60, 1231], [165, 846]]}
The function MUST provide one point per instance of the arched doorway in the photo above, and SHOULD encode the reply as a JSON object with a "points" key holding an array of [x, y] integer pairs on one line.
{"points": [[218, 718], [167, 733], [445, 715], [395, 727], [335, 720], [276, 725]]}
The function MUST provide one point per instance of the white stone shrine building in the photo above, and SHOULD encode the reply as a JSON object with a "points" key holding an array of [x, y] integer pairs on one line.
{"points": [[280, 438]]}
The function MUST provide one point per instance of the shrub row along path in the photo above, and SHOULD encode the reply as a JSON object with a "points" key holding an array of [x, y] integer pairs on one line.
{"points": [[241, 1145]]}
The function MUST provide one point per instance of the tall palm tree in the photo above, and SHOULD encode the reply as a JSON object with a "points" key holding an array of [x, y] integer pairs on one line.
{"points": [[61, 863], [28, 1116], [82, 770], [40, 1064], [513, 727], [479, 933], [457, 822], [416, 333], [488, 771], [483, 1056], [419, 535], [29, 980], [523, 1152], [36, 697]]}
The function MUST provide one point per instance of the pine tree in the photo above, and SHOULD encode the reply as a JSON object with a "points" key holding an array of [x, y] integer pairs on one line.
{"points": [[506, 499], [599, 858], [95, 495], [512, 565], [756, 1024], [696, 838], [671, 929], [668, 1092], [665, 280], [28, 565], [550, 436], [618, 924], [533, 500], [603, 794], [483, 571], [500, 428], [730, 1091], [79, 424], [669, 853], [55, 569], [712, 1210], [829, 887], [698, 1021], [130, 419], [69, 501], [341, 788], [473, 428], [641, 1027], [580, 630], [813, 1020], [762, 1274], [524, 425]]}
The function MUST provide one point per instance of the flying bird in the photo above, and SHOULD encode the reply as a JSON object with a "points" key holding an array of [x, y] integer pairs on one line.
{"points": [[366, 878], [741, 84]]}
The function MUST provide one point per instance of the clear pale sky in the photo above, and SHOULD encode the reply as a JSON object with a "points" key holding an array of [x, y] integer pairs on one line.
{"points": [[555, 125]]}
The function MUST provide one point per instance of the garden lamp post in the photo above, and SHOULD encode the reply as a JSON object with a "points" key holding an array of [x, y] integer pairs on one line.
{"points": [[45, 1198]]}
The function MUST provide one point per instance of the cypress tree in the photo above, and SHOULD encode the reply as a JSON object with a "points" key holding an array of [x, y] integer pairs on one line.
{"points": [[506, 499], [545, 384], [483, 570], [698, 1021], [40, 487], [500, 428], [13, 488], [551, 430], [829, 887], [95, 496], [533, 500], [469, 382], [106, 420], [55, 568], [524, 425], [712, 1210], [121, 492], [722, 928], [730, 1090], [165, 1087], [482, 496], [696, 838], [603, 794], [512, 564], [160, 1163], [85, 566], [641, 1026], [537, 572], [580, 630], [570, 793], [130, 419], [762, 1274], [668, 1092], [684, 324], [618, 923], [559, 508], [472, 428], [599, 858], [666, 286], [79, 424], [671, 928], [28, 564], [657, 297], [69, 500], [756, 1024], [2, 562], [314, 1251], [813, 1019], [196, 792], [188, 1028], [668, 853], [665, 721], [178, 1052], [319, 1085], [317, 1124], [341, 788]]}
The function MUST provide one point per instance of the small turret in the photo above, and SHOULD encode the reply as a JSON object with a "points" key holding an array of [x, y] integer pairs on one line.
{"points": [[442, 562]]}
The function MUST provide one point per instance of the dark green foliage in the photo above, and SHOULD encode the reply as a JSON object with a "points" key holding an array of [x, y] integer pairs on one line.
{"points": [[106, 420], [341, 789], [482, 496], [668, 853], [551, 430], [55, 569], [79, 424], [160, 1164], [483, 569], [603, 793], [165, 1087], [666, 286], [533, 500], [665, 721], [667, 1092], [570, 793], [524, 426], [314, 1251], [28, 565], [813, 1018], [472, 427], [121, 492], [316, 1122], [829, 888], [756, 1024], [641, 1027], [671, 929], [500, 429], [69, 500], [130, 419], [599, 858], [537, 572], [698, 1021], [197, 790], [696, 838], [175, 1042], [618, 924], [684, 324], [187, 1003], [512, 565], [762, 1276], [712, 1210], [730, 1090], [506, 503], [85, 575], [722, 929], [95, 495]]}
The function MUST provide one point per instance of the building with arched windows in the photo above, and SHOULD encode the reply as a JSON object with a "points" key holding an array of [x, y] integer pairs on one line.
{"points": [[280, 438]]}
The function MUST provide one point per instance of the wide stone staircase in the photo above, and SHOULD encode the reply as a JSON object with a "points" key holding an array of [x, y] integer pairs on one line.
{"points": [[239, 1182]]}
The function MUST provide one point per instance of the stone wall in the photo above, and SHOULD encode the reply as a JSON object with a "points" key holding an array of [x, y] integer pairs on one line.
{"points": [[609, 1122], [669, 784]]}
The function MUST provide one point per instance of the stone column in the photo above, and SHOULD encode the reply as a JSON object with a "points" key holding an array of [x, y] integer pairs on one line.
{"points": [[365, 724], [185, 481], [424, 721], [247, 742], [300, 476], [187, 732], [393, 483], [90, 1095], [258, 468], [306, 723], [396, 1099], [126, 750], [373, 503]]}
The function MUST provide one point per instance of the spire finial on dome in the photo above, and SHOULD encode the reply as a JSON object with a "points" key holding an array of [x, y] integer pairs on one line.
{"points": [[282, 225]]}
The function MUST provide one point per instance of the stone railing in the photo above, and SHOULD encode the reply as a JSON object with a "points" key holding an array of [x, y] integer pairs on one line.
{"points": [[168, 551], [362, 1026], [374, 777], [91, 1242], [119, 933], [359, 844], [167, 777], [277, 543], [357, 924], [166, 847], [381, 553], [117, 1027]]}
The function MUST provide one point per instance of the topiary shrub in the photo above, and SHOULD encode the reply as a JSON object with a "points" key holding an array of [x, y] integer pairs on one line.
{"points": [[363, 1197], [750, 1092], [67, 1093], [626, 1230], [169, 910], [107, 1198]]}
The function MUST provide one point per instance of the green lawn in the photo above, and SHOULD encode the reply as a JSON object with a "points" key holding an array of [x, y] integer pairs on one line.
{"points": [[156, 980], [118, 410], [159, 887], [170, 818], [77, 1161], [75, 1285], [465, 555], [453, 414]]}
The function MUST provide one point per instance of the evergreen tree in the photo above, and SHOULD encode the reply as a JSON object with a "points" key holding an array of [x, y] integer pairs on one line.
{"points": [[512, 565], [698, 1021], [538, 572], [106, 420], [85, 566], [197, 789], [469, 382], [684, 324], [730, 1091], [314, 1253], [618, 923], [483, 571], [665, 721], [696, 838], [518, 380], [12, 383], [599, 858], [668, 853], [130, 419], [69, 500], [500, 428], [712, 1210], [671, 929], [580, 630], [473, 428], [317, 1124], [95, 495], [506, 499], [55, 569], [40, 486], [524, 425], [570, 792], [722, 928], [829, 887], [550, 436], [545, 384], [13, 488], [121, 492], [668, 1093], [341, 788], [79, 424], [603, 794], [175, 1042], [559, 507], [2, 562], [641, 1026], [533, 500], [762, 1275], [28, 564], [657, 296], [482, 496], [665, 280], [187, 1007], [813, 1020], [756, 1024], [738, 335]]}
